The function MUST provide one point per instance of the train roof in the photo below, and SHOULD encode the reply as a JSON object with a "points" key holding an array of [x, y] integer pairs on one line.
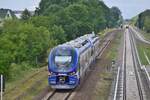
{"points": [[78, 41], [81, 42]]}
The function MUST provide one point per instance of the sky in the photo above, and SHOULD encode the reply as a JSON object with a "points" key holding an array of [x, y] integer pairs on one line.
{"points": [[129, 8], [19, 4]]}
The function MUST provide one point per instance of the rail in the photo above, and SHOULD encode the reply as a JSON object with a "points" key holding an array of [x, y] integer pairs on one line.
{"points": [[116, 86], [143, 67], [123, 73], [137, 72]]}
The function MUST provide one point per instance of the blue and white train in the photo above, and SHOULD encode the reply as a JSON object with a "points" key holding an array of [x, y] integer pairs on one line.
{"points": [[69, 62]]}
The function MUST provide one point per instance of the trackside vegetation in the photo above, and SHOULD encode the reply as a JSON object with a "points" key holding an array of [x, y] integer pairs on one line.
{"points": [[143, 21], [25, 42], [141, 49]]}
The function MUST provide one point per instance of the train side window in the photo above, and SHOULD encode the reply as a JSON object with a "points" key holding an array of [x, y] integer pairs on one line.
{"points": [[86, 41]]}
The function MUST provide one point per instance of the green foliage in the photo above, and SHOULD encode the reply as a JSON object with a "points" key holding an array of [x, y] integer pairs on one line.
{"points": [[25, 15], [57, 33], [22, 42], [78, 17], [52, 5], [147, 24], [115, 17], [143, 21], [133, 21], [52, 9], [77, 11]]}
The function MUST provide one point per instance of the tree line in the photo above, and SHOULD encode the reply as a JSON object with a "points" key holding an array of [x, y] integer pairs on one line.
{"points": [[25, 42], [143, 21]]}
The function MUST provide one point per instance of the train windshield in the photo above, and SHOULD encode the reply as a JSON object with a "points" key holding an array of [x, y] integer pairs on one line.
{"points": [[63, 59]]}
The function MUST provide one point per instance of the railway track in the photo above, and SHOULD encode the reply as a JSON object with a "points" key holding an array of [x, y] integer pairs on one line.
{"points": [[68, 94], [142, 67], [120, 85], [144, 76], [137, 68], [126, 74], [57, 94]]}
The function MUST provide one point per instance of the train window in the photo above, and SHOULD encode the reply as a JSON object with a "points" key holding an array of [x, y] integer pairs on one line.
{"points": [[86, 41], [62, 60]]}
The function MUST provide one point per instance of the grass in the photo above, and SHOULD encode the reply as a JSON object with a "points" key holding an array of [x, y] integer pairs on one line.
{"points": [[28, 87], [103, 86], [112, 54], [144, 48], [146, 35], [36, 89], [19, 78], [141, 49], [103, 33]]}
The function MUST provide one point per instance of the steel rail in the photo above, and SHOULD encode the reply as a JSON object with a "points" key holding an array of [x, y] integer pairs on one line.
{"points": [[134, 55], [147, 75], [122, 73], [117, 82], [124, 70]]}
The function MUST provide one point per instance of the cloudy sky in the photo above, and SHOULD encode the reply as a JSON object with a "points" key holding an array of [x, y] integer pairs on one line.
{"points": [[129, 8], [19, 4]]}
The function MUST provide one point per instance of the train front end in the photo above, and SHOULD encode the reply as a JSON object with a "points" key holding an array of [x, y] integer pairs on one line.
{"points": [[63, 68]]}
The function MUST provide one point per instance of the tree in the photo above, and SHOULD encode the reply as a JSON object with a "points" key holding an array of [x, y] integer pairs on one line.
{"points": [[25, 15], [78, 17], [37, 11], [57, 33], [47, 5], [22, 43], [143, 20], [116, 18], [147, 24]]}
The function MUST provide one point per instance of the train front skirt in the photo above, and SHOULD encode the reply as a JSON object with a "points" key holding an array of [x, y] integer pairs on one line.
{"points": [[63, 81]]}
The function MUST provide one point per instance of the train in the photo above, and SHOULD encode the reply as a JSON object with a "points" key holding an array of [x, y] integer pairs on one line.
{"points": [[68, 63]]}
